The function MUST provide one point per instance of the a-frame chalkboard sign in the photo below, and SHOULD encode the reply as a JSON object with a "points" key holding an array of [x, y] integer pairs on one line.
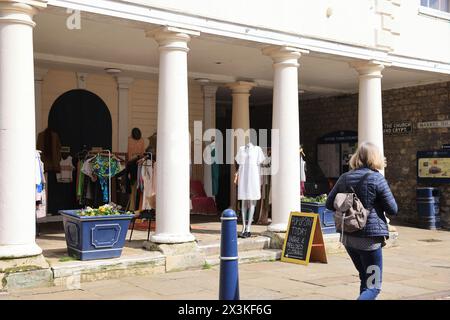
{"points": [[304, 240]]}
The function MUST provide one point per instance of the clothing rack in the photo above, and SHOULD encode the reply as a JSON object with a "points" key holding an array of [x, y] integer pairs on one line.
{"points": [[105, 152]]}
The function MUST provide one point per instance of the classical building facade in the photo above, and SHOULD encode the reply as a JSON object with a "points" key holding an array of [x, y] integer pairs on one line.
{"points": [[161, 65]]}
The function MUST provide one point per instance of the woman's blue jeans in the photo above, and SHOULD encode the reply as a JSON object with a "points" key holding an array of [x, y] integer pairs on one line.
{"points": [[370, 267]]}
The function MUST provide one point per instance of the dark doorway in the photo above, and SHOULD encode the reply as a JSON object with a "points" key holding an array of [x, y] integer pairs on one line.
{"points": [[82, 121]]}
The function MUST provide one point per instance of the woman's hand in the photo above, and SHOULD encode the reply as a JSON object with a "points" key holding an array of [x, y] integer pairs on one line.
{"points": [[236, 176]]}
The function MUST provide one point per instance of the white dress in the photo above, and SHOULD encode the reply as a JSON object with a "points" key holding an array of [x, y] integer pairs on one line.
{"points": [[249, 158]]}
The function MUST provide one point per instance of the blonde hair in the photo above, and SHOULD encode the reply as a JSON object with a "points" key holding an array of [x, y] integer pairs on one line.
{"points": [[367, 155]]}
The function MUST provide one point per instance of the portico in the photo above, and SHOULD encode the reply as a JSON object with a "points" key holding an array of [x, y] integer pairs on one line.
{"points": [[157, 91]]}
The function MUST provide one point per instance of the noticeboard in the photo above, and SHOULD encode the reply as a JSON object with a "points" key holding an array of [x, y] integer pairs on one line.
{"points": [[433, 166], [303, 240]]}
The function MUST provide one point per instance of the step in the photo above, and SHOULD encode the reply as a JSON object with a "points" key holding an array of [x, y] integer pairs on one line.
{"points": [[248, 244], [251, 256], [72, 273]]}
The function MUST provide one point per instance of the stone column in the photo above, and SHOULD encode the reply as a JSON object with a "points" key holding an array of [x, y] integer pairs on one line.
{"points": [[370, 115], [123, 89], [240, 119], [285, 149], [38, 80], [17, 130], [172, 190], [209, 122]]}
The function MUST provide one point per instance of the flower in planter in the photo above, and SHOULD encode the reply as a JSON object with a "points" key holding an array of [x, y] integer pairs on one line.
{"points": [[105, 210]]}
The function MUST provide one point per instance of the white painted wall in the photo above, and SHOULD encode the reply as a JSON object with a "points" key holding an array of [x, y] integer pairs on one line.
{"points": [[422, 36], [357, 22]]}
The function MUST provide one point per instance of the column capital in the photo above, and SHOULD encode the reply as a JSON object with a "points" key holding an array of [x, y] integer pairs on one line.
{"points": [[171, 38], [20, 11], [241, 87], [124, 82], [39, 74], [284, 54], [372, 68], [209, 90]]}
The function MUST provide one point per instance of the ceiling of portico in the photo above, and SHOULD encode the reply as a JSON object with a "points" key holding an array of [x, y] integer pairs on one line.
{"points": [[105, 42]]}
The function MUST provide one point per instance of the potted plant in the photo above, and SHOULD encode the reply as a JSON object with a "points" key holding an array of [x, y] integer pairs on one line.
{"points": [[95, 233], [317, 205]]}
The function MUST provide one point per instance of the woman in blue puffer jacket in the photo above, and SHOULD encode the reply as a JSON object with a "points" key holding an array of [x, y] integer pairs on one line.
{"points": [[365, 246]]}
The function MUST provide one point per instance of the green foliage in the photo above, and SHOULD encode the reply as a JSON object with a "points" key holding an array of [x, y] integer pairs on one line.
{"points": [[105, 210], [320, 199]]}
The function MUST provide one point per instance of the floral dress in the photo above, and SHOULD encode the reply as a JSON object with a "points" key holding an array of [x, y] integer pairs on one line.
{"points": [[102, 167]]}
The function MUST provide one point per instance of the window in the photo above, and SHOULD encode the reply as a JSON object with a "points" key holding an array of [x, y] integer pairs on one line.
{"points": [[441, 5]]}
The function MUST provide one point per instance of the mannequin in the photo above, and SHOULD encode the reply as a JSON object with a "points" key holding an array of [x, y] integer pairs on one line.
{"points": [[136, 145], [152, 144], [302, 172], [249, 158]]}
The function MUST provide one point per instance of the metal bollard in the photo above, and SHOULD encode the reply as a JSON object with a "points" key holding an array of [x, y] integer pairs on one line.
{"points": [[229, 274]]}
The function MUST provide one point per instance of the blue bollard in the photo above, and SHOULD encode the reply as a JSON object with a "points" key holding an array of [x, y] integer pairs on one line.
{"points": [[229, 274]]}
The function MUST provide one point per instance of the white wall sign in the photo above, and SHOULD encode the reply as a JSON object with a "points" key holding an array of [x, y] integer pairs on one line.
{"points": [[433, 124]]}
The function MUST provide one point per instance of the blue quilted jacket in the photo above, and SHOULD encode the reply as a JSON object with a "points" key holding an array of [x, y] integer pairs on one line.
{"points": [[374, 194]]}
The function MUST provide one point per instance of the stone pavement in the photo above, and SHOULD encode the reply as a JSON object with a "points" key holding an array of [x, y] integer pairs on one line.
{"points": [[419, 268]]}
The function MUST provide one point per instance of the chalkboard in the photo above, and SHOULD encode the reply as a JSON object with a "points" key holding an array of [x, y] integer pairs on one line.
{"points": [[299, 237]]}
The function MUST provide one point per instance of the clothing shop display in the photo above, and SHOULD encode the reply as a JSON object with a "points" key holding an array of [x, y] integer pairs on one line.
{"points": [[105, 168], [152, 144], [66, 169], [148, 185], [265, 191], [49, 144], [41, 196], [135, 147], [302, 173], [249, 159], [248, 211], [213, 173]]}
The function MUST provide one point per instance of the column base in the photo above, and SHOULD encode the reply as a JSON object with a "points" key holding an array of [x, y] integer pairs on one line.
{"points": [[278, 227], [19, 251], [172, 238]]}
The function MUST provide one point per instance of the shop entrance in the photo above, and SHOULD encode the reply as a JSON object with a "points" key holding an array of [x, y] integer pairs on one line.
{"points": [[82, 121], [334, 151]]}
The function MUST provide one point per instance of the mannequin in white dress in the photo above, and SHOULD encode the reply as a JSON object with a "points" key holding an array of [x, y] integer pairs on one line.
{"points": [[248, 179]]}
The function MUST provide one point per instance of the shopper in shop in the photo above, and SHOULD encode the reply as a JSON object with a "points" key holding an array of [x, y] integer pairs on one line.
{"points": [[365, 246]]}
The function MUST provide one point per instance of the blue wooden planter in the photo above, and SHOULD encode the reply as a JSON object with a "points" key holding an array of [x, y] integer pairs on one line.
{"points": [[326, 216], [90, 238]]}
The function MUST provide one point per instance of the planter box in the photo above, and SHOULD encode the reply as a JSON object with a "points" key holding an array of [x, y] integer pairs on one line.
{"points": [[326, 217], [90, 238]]}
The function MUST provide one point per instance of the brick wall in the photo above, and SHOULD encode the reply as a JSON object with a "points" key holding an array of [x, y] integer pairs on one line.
{"points": [[415, 104]]}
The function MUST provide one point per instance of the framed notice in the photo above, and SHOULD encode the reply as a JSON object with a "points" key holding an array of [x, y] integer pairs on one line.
{"points": [[304, 239], [433, 166]]}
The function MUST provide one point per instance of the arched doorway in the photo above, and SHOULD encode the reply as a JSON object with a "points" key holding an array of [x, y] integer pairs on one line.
{"points": [[82, 121], [81, 118]]}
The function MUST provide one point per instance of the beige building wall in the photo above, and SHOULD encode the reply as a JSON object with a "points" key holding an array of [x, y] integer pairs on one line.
{"points": [[143, 102]]}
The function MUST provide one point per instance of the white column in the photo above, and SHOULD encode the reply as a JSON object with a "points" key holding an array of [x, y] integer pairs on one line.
{"points": [[172, 190], [209, 122], [370, 114], [123, 88], [240, 119], [17, 130], [285, 149], [38, 80]]}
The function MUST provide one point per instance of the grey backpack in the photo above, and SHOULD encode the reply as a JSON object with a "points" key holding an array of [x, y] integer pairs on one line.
{"points": [[350, 215]]}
